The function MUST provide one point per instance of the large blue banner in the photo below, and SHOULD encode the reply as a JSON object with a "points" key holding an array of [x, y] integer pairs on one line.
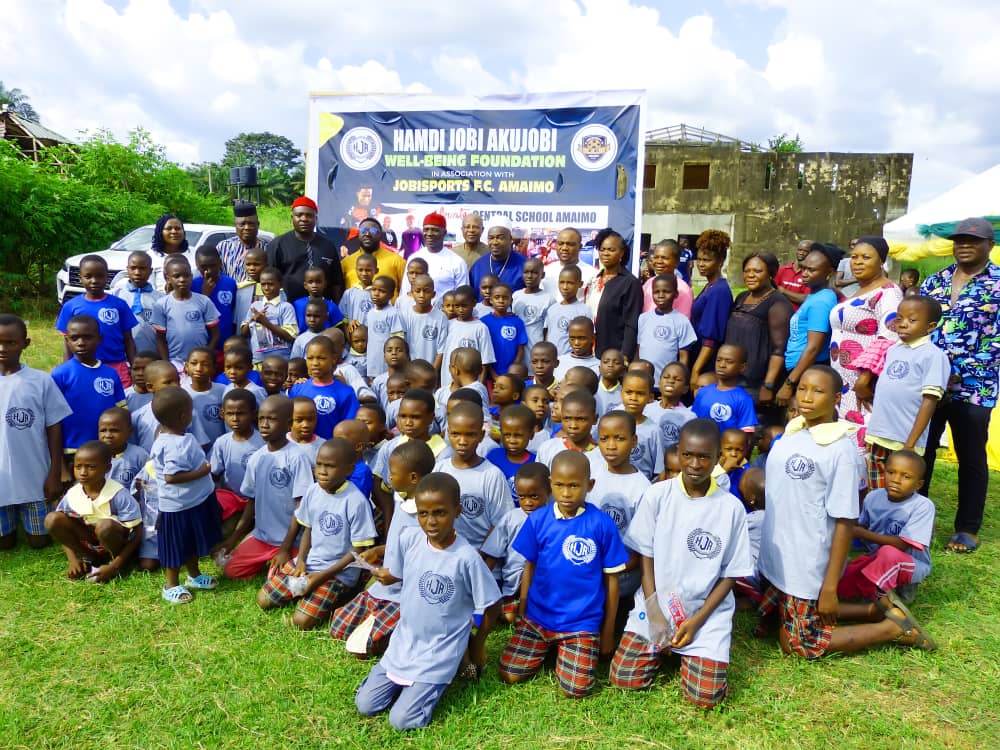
{"points": [[547, 161]]}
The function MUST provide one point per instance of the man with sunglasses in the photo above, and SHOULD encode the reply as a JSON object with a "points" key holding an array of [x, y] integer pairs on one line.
{"points": [[370, 238]]}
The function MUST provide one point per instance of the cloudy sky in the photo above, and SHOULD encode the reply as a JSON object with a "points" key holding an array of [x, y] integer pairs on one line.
{"points": [[851, 75]]}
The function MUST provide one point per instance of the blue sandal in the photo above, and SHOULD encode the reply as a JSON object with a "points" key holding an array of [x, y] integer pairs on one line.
{"points": [[177, 595], [202, 582]]}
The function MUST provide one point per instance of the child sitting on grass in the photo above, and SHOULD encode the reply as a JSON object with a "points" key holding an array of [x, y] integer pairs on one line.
{"points": [[569, 586], [895, 529], [336, 520], [693, 541], [444, 582], [531, 488], [373, 613], [97, 522], [127, 460]]}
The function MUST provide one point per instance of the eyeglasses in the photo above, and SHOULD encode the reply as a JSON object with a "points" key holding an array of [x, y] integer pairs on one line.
{"points": [[369, 230]]}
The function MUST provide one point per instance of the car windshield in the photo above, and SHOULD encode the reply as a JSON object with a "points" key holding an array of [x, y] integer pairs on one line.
{"points": [[142, 238]]}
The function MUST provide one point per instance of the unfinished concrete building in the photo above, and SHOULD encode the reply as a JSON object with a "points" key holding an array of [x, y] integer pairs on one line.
{"points": [[696, 180]]}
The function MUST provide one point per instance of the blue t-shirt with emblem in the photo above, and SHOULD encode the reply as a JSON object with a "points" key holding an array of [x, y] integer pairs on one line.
{"points": [[224, 299], [89, 391], [334, 316], [113, 315], [498, 457], [125, 467], [729, 409], [206, 414], [334, 401], [185, 323], [229, 458], [571, 556], [274, 479]]}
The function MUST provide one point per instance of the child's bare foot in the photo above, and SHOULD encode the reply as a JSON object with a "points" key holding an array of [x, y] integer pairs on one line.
{"points": [[77, 569]]}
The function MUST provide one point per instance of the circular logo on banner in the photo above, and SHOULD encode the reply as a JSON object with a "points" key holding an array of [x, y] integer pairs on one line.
{"points": [[799, 467], [19, 418], [280, 477], [325, 404], [361, 148], [108, 316], [472, 506], [579, 550], [704, 544], [104, 386], [435, 588], [226, 297], [898, 370], [330, 523], [594, 147]]}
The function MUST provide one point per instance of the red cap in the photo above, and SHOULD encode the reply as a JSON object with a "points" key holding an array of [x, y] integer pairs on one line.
{"points": [[303, 200], [435, 220]]}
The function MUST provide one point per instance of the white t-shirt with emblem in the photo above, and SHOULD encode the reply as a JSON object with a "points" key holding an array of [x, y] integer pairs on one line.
{"points": [[499, 545], [532, 308], [275, 479], [670, 421], [127, 465], [694, 542], [809, 486], [206, 421], [466, 333], [486, 499], [426, 333], [441, 590], [337, 521], [662, 336]]}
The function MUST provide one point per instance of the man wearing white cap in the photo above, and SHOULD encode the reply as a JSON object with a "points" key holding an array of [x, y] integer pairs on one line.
{"points": [[502, 260]]}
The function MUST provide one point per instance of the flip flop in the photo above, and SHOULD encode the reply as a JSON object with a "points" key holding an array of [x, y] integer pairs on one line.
{"points": [[908, 622], [177, 595], [961, 537], [202, 582]]}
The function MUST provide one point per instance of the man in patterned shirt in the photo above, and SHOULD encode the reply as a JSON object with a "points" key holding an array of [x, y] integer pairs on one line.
{"points": [[234, 250], [969, 333]]}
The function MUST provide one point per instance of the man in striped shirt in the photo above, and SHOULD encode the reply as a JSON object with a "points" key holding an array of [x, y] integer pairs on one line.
{"points": [[234, 250]]}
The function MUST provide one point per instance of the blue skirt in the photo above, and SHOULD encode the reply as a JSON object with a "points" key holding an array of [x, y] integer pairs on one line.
{"points": [[184, 534]]}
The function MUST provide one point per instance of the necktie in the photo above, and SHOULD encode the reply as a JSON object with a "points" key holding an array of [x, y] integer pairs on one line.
{"points": [[137, 292]]}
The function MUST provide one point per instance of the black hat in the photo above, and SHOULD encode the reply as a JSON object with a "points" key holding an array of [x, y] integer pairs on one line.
{"points": [[244, 208], [974, 227]]}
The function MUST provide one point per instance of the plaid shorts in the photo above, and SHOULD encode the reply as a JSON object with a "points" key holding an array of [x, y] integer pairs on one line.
{"points": [[31, 515], [703, 681], [576, 656], [510, 605], [347, 618], [877, 457], [317, 605], [807, 635]]}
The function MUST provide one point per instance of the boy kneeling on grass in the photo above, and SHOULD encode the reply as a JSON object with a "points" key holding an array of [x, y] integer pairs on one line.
{"points": [[97, 522], [444, 581]]}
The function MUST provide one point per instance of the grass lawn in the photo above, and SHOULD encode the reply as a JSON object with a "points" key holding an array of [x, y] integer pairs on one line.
{"points": [[112, 666]]}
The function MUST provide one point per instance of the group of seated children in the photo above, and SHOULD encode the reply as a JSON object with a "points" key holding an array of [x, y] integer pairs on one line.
{"points": [[597, 509]]}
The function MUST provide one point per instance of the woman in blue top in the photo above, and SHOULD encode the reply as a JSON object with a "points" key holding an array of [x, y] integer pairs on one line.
{"points": [[710, 311], [809, 329]]}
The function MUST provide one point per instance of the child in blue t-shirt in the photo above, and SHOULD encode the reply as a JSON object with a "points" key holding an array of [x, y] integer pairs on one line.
{"points": [[314, 322], [444, 582], [114, 316], [86, 383], [334, 400], [31, 433], [383, 323], [517, 427], [569, 587], [724, 400], [218, 287], [183, 319], [207, 424], [231, 453], [507, 332], [314, 282]]}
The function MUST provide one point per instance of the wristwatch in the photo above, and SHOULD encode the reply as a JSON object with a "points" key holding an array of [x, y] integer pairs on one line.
{"points": [[791, 383], [768, 386]]}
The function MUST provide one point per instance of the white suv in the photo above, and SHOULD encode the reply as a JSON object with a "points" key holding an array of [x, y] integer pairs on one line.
{"points": [[68, 278]]}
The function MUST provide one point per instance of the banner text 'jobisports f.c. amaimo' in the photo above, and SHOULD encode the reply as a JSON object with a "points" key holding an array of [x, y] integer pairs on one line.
{"points": [[546, 161]]}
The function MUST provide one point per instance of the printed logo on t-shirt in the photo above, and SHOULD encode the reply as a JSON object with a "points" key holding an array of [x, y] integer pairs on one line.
{"points": [[435, 588], [381, 326], [279, 477], [108, 316], [704, 544], [429, 332], [330, 524], [192, 316], [671, 432], [898, 370], [226, 297], [614, 506], [20, 418], [530, 312], [125, 477], [469, 343], [104, 386], [563, 324], [720, 412], [894, 528], [635, 454], [508, 332], [325, 404], [212, 413], [661, 333], [799, 467], [366, 305], [472, 506], [146, 315], [244, 460], [579, 550]]}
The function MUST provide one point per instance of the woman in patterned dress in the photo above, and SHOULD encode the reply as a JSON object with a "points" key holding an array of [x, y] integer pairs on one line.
{"points": [[864, 328]]}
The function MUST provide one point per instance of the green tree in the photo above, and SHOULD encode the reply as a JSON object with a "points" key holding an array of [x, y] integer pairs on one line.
{"points": [[783, 144], [263, 150], [17, 102]]}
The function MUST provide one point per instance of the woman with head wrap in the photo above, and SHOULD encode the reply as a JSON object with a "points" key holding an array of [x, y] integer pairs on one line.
{"points": [[809, 328], [863, 327]]}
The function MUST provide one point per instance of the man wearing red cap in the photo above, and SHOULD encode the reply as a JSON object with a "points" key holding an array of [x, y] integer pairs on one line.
{"points": [[293, 253], [447, 269]]}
